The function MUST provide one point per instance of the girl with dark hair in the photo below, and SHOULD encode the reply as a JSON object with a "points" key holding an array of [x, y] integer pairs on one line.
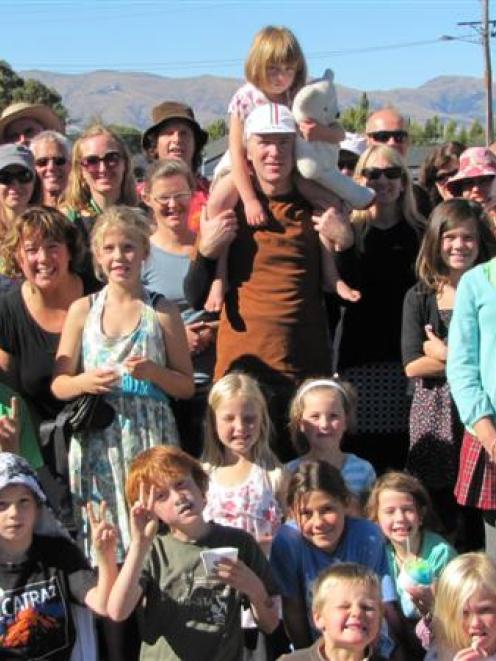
{"points": [[439, 166], [457, 237], [321, 534]]}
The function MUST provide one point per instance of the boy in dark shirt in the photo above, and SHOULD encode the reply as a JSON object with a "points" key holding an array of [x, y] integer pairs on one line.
{"points": [[185, 613], [42, 572]]}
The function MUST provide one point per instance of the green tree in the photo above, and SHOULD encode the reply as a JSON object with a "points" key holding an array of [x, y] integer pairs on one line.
{"points": [[130, 135], [476, 134], [217, 129], [416, 131], [450, 130], [462, 135], [13, 89], [354, 119], [433, 130]]}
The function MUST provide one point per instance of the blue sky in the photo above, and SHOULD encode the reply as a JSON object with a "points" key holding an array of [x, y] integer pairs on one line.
{"points": [[370, 44]]}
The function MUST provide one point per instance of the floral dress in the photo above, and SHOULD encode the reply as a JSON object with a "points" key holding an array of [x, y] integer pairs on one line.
{"points": [[99, 461]]}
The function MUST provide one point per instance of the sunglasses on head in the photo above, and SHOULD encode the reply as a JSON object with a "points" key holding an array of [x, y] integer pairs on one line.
{"points": [[92, 163], [21, 176], [43, 161], [393, 172], [385, 136]]}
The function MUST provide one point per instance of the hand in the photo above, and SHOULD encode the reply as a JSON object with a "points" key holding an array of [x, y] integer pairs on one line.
{"points": [[199, 335], [98, 381], [10, 428], [139, 367], [334, 226], [434, 347], [314, 131], [216, 233], [103, 533], [236, 574], [142, 519], [471, 654], [422, 596], [255, 214]]}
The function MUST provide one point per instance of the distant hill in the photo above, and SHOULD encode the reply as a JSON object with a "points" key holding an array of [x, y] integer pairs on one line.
{"points": [[127, 98]]}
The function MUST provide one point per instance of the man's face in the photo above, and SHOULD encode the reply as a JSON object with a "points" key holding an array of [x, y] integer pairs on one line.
{"points": [[21, 131], [272, 157], [387, 127]]}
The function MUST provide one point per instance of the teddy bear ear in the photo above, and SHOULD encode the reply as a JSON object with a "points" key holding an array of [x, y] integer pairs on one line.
{"points": [[329, 75]]}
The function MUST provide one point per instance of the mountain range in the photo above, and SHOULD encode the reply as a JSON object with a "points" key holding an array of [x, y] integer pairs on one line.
{"points": [[126, 98]]}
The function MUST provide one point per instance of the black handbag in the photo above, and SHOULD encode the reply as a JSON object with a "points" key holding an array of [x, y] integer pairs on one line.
{"points": [[84, 413]]}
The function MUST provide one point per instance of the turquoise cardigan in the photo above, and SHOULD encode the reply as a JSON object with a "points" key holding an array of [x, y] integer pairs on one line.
{"points": [[471, 367]]}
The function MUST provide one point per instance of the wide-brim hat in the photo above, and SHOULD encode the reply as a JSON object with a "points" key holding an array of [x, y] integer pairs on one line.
{"points": [[173, 110], [474, 162], [38, 111], [16, 155]]}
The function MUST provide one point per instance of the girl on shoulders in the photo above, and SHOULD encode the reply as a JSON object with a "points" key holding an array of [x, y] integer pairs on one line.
{"points": [[321, 413]]}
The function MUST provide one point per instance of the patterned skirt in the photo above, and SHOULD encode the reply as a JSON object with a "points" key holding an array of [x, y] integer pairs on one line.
{"points": [[476, 483]]}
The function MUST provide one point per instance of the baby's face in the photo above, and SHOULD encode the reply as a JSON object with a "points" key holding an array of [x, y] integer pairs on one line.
{"points": [[351, 616], [18, 513]]}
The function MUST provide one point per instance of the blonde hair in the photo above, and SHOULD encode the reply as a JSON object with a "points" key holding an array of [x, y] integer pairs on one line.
{"points": [[130, 220], [237, 384], [78, 195], [404, 483], [460, 580], [406, 202], [275, 46], [350, 573], [346, 393]]}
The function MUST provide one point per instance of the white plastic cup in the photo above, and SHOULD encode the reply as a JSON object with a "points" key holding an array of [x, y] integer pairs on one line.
{"points": [[210, 557]]}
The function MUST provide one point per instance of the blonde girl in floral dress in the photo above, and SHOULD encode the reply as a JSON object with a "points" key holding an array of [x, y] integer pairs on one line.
{"points": [[247, 483], [132, 350]]}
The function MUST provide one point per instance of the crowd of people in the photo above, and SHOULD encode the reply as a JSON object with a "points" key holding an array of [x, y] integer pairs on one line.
{"points": [[240, 420]]}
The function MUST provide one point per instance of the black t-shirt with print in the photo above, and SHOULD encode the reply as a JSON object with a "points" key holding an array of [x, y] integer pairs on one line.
{"points": [[35, 596]]}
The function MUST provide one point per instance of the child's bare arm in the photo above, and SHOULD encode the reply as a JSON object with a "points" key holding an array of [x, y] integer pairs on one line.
{"points": [[296, 622], [239, 576], [255, 214], [10, 428], [104, 537], [127, 592]]}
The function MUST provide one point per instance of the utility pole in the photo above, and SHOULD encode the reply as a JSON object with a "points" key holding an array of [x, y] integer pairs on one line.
{"points": [[486, 29]]}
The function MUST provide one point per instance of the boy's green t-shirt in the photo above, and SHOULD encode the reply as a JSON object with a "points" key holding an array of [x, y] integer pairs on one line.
{"points": [[30, 448]]}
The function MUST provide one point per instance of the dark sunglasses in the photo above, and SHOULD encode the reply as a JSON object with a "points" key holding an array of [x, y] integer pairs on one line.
{"points": [[385, 136], [394, 172], [21, 176], [92, 163], [45, 160], [348, 163], [442, 177]]}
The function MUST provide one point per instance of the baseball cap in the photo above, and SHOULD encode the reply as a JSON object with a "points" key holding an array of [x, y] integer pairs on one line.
{"points": [[270, 118]]}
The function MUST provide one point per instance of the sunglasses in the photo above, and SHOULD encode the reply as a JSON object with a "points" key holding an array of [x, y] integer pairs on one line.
{"points": [[45, 160], [476, 181], [92, 163], [442, 177], [394, 172], [385, 136], [21, 176]]}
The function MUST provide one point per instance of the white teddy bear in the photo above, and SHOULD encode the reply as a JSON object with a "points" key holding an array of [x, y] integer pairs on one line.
{"points": [[319, 160]]}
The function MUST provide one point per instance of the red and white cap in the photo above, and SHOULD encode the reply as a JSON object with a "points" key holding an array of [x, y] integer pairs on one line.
{"points": [[270, 118]]}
